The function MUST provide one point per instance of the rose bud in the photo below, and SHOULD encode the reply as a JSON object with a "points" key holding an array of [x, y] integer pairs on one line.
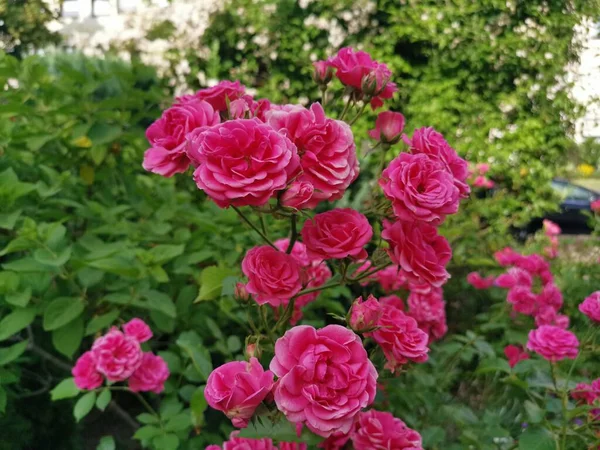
{"points": [[374, 83], [238, 109], [323, 73], [388, 127], [297, 195], [364, 315], [240, 293]]}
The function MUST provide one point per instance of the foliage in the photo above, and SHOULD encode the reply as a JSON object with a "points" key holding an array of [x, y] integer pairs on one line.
{"points": [[23, 25]]}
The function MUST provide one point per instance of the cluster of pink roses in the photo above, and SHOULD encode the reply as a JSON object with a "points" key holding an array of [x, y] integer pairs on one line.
{"points": [[589, 393], [117, 356], [551, 231], [238, 443], [480, 180]]}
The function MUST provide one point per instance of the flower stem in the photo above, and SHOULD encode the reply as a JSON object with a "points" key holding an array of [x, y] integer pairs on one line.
{"points": [[368, 274], [346, 108], [143, 401], [254, 227], [563, 404], [360, 113], [294, 234]]}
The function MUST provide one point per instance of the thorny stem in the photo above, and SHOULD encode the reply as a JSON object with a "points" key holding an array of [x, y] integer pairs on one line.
{"points": [[294, 234], [254, 227]]}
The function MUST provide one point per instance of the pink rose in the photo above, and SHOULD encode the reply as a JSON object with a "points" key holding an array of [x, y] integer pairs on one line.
{"points": [[550, 228], [217, 95], [325, 377], [479, 282], [585, 392], [292, 446], [534, 264], [429, 310], [238, 443], [337, 234], [138, 329], [595, 205], [378, 430], [336, 441], [547, 315], [591, 306], [352, 67], [237, 388], [523, 300], [322, 73], [482, 168], [431, 143], [241, 162], [298, 251], [420, 188], [364, 315], [553, 343], [150, 375], [388, 127], [419, 250], [550, 296], [85, 373], [514, 277], [506, 257], [316, 274], [117, 355], [515, 354], [238, 109], [297, 195], [400, 338], [167, 136], [391, 278], [325, 146], [274, 277], [392, 300]]}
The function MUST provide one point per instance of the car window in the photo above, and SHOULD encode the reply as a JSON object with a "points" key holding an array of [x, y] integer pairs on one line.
{"points": [[572, 192]]}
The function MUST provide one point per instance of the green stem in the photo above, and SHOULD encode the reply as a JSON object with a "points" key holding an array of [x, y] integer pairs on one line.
{"points": [[143, 401], [294, 234], [254, 227], [563, 404], [323, 98], [360, 113], [287, 314], [368, 274], [263, 225], [315, 289], [346, 108]]}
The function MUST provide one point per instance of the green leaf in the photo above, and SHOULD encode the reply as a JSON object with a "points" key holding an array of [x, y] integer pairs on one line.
{"points": [[84, 405], [433, 436], [147, 418], [100, 322], [198, 405], [160, 301], [65, 389], [15, 322], [89, 277], [27, 265], [191, 344], [50, 258], [534, 438], [9, 354], [8, 221], [493, 365], [103, 133], [282, 431], [3, 400], [9, 282], [106, 443], [170, 407], [159, 274], [116, 265], [20, 298], [62, 311], [233, 343], [211, 282], [535, 414], [163, 252], [147, 432], [166, 442], [103, 399], [179, 422], [67, 338]]}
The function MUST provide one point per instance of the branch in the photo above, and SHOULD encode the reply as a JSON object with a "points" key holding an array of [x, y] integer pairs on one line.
{"points": [[254, 227]]}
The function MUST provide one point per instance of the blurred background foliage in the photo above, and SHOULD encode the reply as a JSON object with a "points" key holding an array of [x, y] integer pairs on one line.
{"points": [[85, 232]]}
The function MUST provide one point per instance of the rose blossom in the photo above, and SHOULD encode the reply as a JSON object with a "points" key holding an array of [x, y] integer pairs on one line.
{"points": [[138, 329], [482, 168], [298, 250], [292, 446], [238, 443], [237, 388], [117, 355], [553, 343], [325, 377], [392, 300], [85, 373], [335, 442], [317, 274], [297, 195], [217, 95], [337, 234], [513, 277], [431, 143], [364, 314], [274, 277], [167, 136], [388, 127], [591, 306], [506, 257], [238, 109], [429, 310], [550, 228], [585, 392], [550, 296], [547, 315], [515, 354], [241, 162], [522, 299], [419, 250], [325, 146], [595, 205], [391, 278], [400, 338], [150, 375], [419, 188], [378, 430], [479, 282]]}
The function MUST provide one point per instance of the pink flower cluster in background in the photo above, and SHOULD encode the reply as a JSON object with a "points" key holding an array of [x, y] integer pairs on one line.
{"points": [[479, 178], [117, 356]]}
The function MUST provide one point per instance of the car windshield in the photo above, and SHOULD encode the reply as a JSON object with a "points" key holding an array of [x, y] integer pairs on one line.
{"points": [[572, 192]]}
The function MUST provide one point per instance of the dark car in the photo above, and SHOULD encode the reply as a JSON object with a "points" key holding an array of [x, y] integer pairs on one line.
{"points": [[576, 199]]}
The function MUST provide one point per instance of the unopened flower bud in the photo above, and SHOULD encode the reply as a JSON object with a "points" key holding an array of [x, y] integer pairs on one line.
{"points": [[323, 73], [388, 127], [364, 315], [373, 83], [297, 195], [238, 109], [240, 293]]}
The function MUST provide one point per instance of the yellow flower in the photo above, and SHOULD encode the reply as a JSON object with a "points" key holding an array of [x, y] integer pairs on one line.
{"points": [[586, 170]]}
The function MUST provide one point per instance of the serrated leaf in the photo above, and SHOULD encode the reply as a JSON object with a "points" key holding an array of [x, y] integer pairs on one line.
{"points": [[65, 389], [84, 405], [106, 443], [67, 338], [179, 422], [61, 311], [198, 405], [15, 322], [50, 258], [535, 414], [493, 365], [282, 431], [103, 399], [100, 322], [211, 282], [191, 344], [166, 442], [20, 298], [534, 438], [8, 221], [147, 418], [9, 354], [164, 252], [147, 432]]}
